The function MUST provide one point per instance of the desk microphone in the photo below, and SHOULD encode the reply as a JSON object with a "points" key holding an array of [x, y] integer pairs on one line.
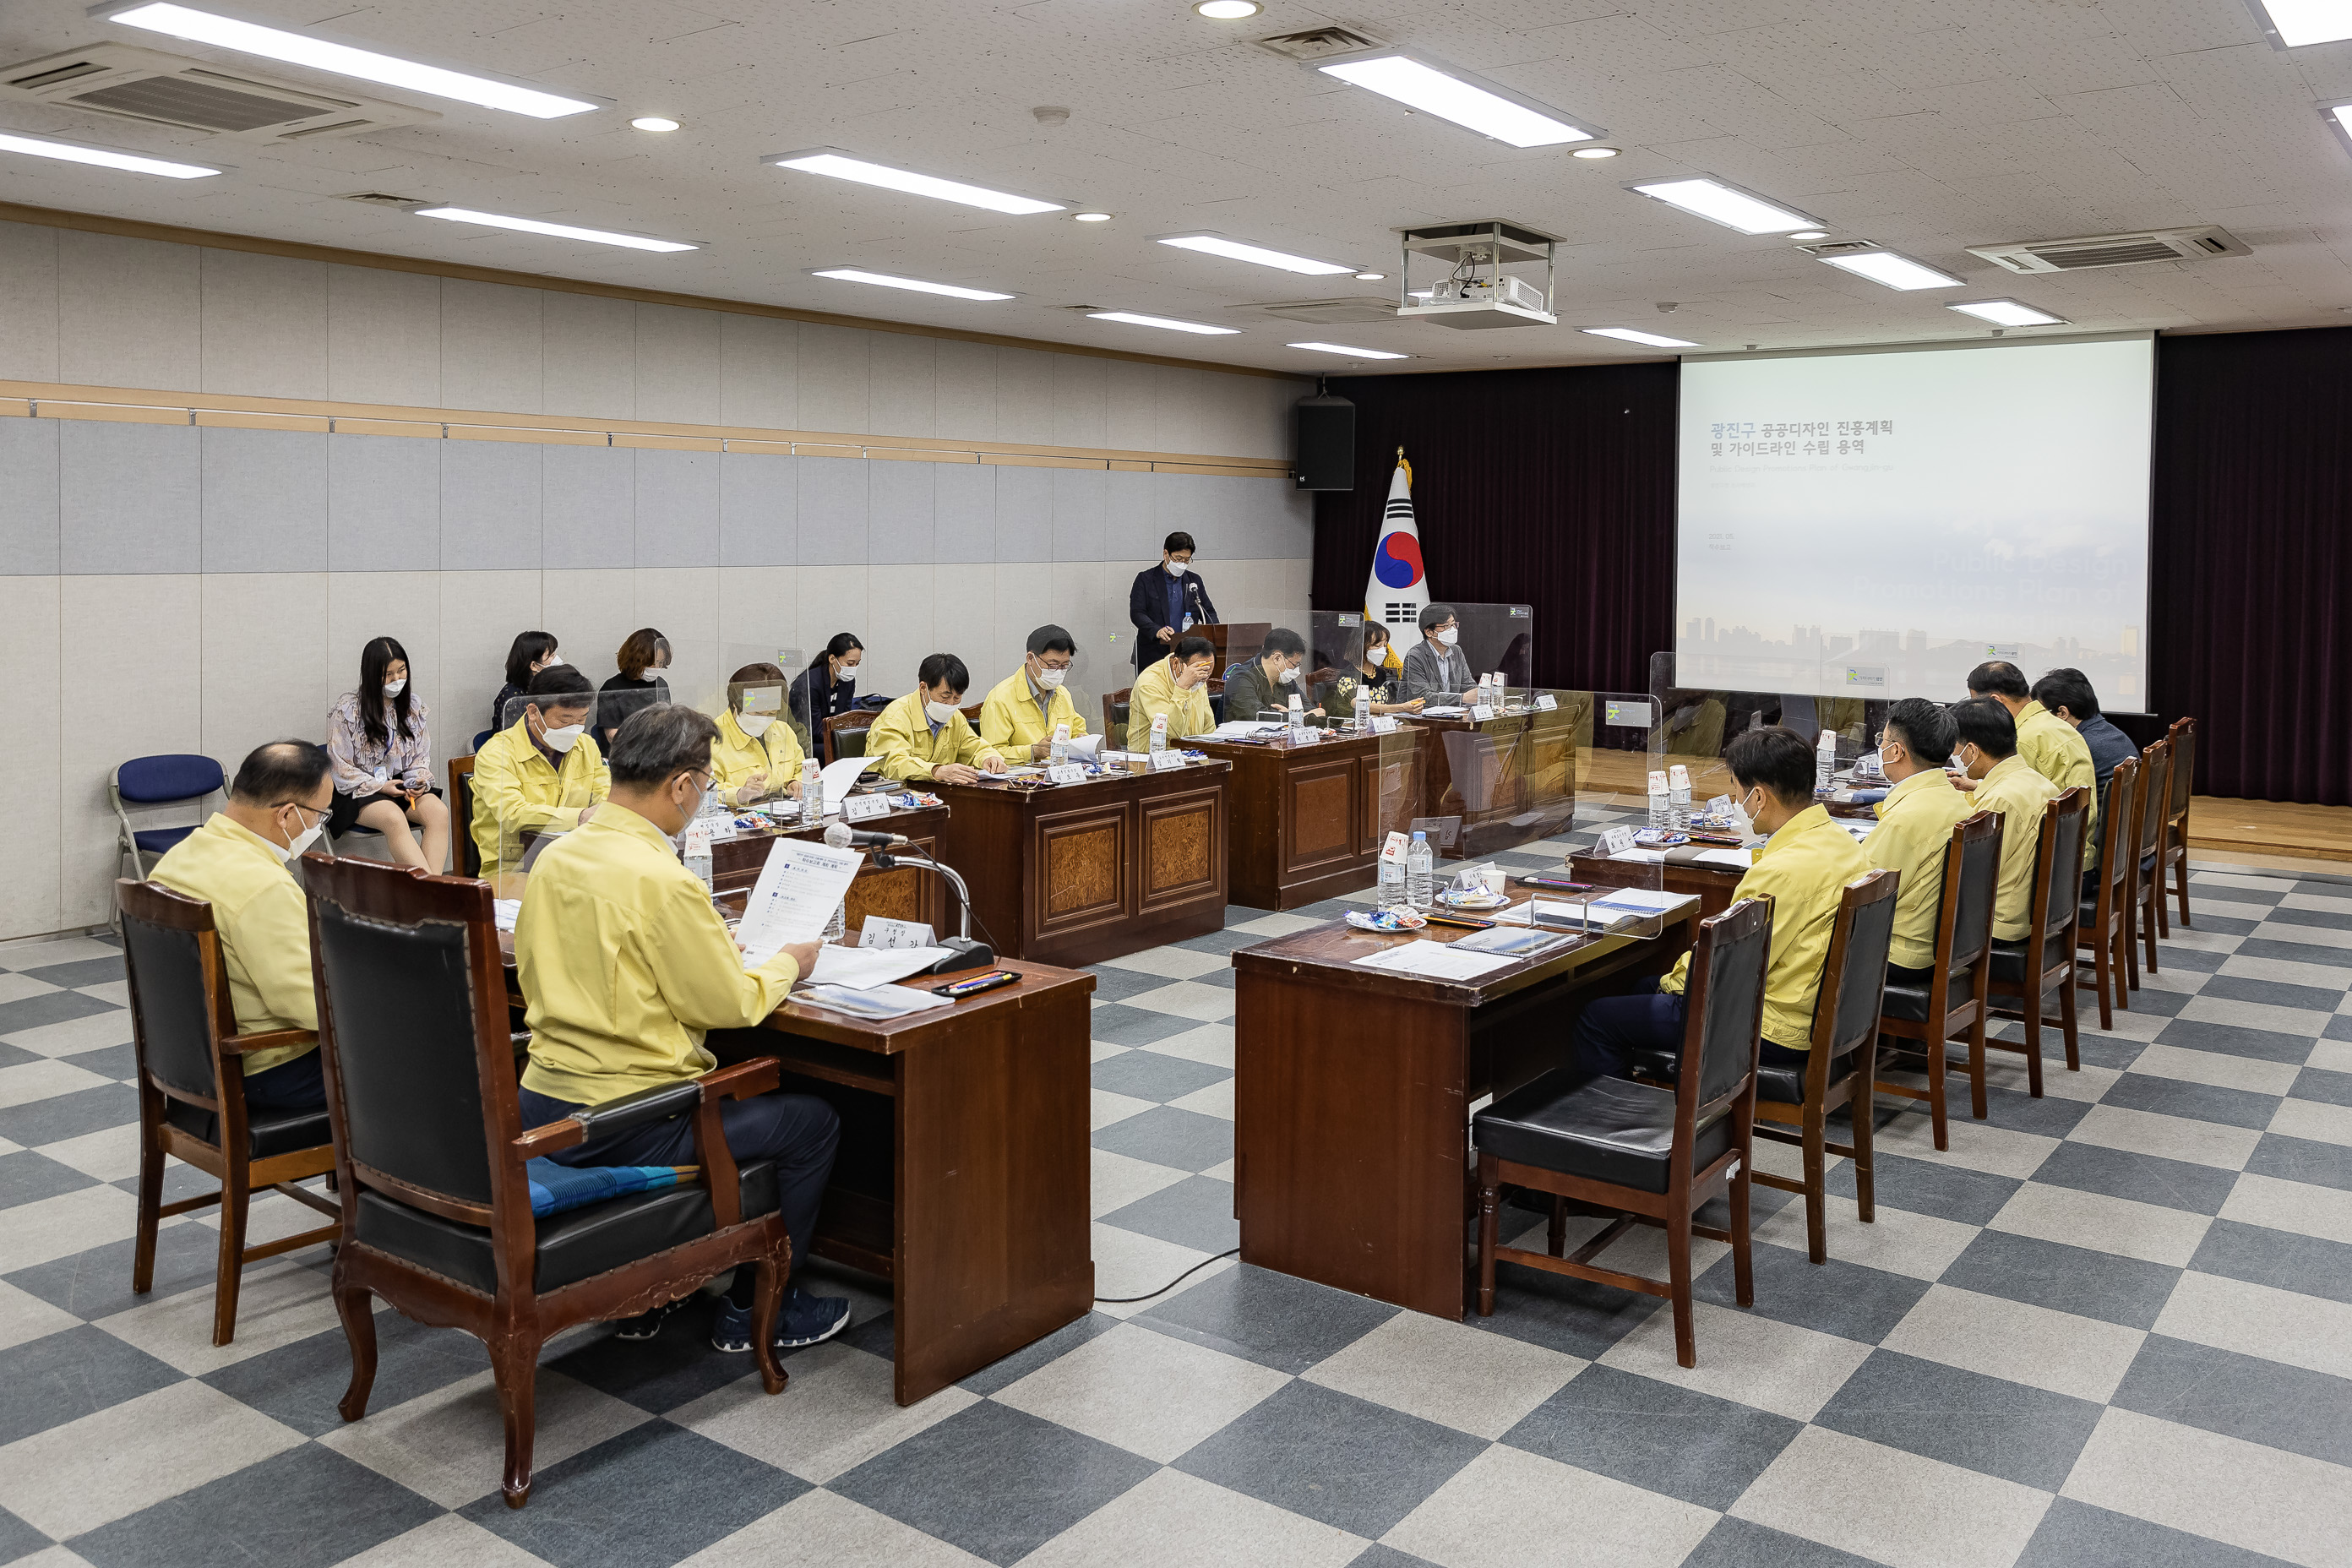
{"points": [[841, 835]]}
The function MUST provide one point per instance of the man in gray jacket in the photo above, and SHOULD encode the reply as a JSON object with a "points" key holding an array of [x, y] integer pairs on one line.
{"points": [[1435, 667]]}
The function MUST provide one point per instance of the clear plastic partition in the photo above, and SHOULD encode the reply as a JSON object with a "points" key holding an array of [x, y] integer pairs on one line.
{"points": [[1499, 640], [760, 687], [1621, 897], [1692, 723], [524, 796]]}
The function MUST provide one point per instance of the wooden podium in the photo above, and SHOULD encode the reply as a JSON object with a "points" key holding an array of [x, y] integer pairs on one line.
{"points": [[1235, 640]]}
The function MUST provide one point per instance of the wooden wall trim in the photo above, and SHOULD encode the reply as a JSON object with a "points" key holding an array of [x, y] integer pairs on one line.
{"points": [[142, 405], [212, 240]]}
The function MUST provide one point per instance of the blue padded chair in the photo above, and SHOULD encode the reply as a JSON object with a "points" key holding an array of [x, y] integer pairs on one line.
{"points": [[484, 736], [152, 783]]}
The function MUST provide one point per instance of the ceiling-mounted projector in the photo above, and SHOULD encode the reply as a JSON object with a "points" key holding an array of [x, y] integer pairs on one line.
{"points": [[1476, 291]]}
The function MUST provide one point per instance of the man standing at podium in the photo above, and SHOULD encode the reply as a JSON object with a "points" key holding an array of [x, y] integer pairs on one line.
{"points": [[1167, 601]]}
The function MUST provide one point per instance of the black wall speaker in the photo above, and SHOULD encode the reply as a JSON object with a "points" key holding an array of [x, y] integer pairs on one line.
{"points": [[1323, 448]]}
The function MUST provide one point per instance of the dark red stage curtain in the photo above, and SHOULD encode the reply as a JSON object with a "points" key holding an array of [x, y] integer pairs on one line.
{"points": [[2250, 590], [1551, 488]]}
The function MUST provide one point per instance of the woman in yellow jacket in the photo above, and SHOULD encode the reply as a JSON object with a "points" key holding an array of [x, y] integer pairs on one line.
{"points": [[757, 754]]}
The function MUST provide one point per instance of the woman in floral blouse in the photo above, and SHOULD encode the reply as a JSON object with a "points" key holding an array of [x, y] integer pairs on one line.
{"points": [[383, 762]]}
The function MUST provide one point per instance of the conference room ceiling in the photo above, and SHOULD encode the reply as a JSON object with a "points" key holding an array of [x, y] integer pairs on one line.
{"points": [[1924, 125]]}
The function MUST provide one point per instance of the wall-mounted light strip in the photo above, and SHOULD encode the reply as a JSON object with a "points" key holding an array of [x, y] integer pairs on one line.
{"points": [[102, 157]]}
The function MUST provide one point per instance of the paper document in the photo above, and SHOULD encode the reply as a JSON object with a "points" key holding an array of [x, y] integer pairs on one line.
{"points": [[504, 911], [1545, 910], [838, 777], [863, 968], [882, 1002], [1245, 729], [1452, 710], [1083, 745], [800, 885], [1736, 859], [1436, 960], [1513, 943]]}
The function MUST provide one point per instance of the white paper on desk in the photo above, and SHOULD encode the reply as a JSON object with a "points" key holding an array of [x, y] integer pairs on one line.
{"points": [[1436, 961], [864, 968], [800, 885], [504, 911], [1082, 745], [882, 1002], [1246, 728], [1736, 859], [1643, 856], [838, 776], [1450, 711]]}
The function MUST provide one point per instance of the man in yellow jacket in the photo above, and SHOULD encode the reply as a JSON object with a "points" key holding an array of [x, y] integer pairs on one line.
{"points": [[542, 774], [236, 862], [1024, 709], [1803, 867], [626, 964], [2051, 746], [1177, 686], [1914, 830], [924, 734], [2005, 783]]}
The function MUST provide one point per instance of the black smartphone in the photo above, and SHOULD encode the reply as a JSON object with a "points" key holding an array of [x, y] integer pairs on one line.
{"points": [[1465, 921], [958, 990], [1559, 884]]}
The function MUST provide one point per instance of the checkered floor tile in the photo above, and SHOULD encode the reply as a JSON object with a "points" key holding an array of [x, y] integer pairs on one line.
{"points": [[2113, 1324]]}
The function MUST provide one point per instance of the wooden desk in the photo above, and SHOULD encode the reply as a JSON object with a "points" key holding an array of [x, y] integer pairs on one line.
{"points": [[1712, 886], [963, 1170], [908, 893], [1308, 821], [1074, 874], [1353, 1091], [1511, 779]]}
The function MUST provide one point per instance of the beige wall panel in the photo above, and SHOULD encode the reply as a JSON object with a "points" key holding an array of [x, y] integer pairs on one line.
{"points": [[759, 372], [1078, 601], [1131, 405], [33, 823], [168, 610], [264, 324], [963, 622], [265, 660], [1183, 399], [964, 402], [588, 363], [407, 607], [899, 632], [679, 355], [480, 614], [679, 602], [1081, 395], [491, 347], [590, 610], [129, 312], [832, 599], [383, 337], [28, 282], [1025, 394], [835, 378], [759, 616], [904, 374]]}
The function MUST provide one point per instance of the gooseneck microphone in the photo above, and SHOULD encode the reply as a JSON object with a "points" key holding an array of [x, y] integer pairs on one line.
{"points": [[841, 835]]}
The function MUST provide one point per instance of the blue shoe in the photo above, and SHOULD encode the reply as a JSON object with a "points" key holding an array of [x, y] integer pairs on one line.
{"points": [[646, 1325], [803, 1320]]}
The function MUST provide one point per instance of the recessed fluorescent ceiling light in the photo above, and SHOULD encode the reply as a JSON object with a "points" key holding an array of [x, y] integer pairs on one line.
{"points": [[41, 147], [653, 122], [1351, 353], [1418, 85], [1811, 233], [1091, 218], [855, 275], [1235, 250], [343, 59], [2006, 313], [1228, 10], [1631, 336], [1132, 320], [1595, 152], [1719, 202], [556, 230], [2300, 22], [842, 166], [1895, 271]]}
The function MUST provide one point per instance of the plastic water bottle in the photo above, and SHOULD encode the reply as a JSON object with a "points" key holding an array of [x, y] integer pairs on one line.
{"points": [[1363, 709], [1418, 868], [1392, 889], [1678, 798], [1059, 750], [1297, 718], [1660, 802], [1825, 763], [1159, 732], [811, 792]]}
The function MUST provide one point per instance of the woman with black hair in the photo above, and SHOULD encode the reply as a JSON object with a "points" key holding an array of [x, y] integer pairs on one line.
{"points": [[828, 686], [383, 754], [641, 683], [533, 652]]}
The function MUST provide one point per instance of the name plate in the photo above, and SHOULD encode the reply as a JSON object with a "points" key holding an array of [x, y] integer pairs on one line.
{"points": [[1303, 736], [1481, 712], [1066, 774], [1161, 761], [864, 807], [1546, 703], [878, 931], [1616, 841]]}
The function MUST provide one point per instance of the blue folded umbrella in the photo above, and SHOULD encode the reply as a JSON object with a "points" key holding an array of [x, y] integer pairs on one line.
{"points": [[555, 1188]]}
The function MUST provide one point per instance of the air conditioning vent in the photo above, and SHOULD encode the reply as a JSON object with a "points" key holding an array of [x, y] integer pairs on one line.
{"points": [[1332, 313], [385, 199], [2045, 256], [1841, 247], [1318, 43], [130, 83]]}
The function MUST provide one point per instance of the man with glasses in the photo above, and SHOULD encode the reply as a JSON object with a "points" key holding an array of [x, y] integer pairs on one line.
{"points": [[1268, 681], [627, 964], [237, 863], [1436, 667], [1027, 706], [1915, 829]]}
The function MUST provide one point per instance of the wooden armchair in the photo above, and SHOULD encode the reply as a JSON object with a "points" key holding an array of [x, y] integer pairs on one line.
{"points": [[466, 856], [1115, 712], [2105, 928], [2027, 969], [1953, 999], [2147, 916], [845, 735], [191, 1093], [2183, 737], [430, 1153]]}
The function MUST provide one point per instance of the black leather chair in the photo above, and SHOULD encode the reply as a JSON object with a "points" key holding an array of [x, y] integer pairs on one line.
{"points": [[191, 1093], [430, 1153], [1654, 1154], [1953, 997], [2104, 926], [2027, 969]]}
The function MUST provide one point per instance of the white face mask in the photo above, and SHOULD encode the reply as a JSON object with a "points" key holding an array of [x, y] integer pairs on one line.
{"points": [[565, 739], [1290, 676], [300, 841], [1449, 636], [1173, 568], [551, 661], [394, 688], [754, 724], [848, 672], [939, 712], [1050, 680]]}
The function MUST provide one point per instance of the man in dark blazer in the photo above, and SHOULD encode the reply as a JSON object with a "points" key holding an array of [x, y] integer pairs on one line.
{"points": [[1162, 596]]}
